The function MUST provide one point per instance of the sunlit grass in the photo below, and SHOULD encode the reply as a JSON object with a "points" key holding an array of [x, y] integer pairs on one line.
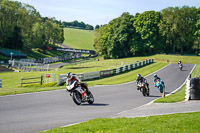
{"points": [[179, 123], [79, 39]]}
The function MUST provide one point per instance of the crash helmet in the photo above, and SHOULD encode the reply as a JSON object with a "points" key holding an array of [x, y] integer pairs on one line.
{"points": [[139, 76], [155, 76], [69, 75]]}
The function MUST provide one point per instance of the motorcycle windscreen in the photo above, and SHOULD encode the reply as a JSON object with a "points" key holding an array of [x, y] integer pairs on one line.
{"points": [[71, 84]]}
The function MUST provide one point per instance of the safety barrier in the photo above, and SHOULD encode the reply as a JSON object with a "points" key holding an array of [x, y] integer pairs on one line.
{"points": [[193, 89], [105, 73]]}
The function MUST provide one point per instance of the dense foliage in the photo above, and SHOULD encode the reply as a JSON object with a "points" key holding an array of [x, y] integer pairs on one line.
{"points": [[173, 30], [78, 25], [22, 27]]}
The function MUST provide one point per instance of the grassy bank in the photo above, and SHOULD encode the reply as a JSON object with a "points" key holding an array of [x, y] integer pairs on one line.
{"points": [[79, 39], [176, 58], [179, 123]]}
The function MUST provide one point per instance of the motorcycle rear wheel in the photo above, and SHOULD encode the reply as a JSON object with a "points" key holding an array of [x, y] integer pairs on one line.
{"points": [[76, 97]]}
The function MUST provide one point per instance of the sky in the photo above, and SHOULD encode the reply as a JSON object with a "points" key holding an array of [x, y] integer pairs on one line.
{"points": [[100, 12]]}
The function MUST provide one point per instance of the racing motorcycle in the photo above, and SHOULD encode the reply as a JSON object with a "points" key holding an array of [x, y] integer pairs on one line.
{"points": [[160, 85], [180, 67], [79, 94], [144, 88]]}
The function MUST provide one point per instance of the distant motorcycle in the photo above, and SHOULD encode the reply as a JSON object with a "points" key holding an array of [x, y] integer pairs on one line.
{"points": [[144, 88], [79, 94], [160, 86], [180, 67]]}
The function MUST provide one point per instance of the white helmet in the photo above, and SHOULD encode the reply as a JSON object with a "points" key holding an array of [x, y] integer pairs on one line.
{"points": [[69, 75]]}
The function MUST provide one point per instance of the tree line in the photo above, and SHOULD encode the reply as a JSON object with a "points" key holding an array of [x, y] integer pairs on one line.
{"points": [[77, 25], [173, 30], [22, 27]]}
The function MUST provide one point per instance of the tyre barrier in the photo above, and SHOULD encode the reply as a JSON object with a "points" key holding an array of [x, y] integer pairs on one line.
{"points": [[195, 89]]}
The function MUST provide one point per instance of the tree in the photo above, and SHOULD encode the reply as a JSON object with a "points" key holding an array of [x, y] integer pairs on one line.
{"points": [[146, 24], [101, 40], [196, 45], [115, 39], [97, 27], [22, 27], [177, 27]]}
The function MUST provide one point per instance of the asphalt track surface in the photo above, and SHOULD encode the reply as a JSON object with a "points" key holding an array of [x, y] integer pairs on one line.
{"points": [[33, 112]]}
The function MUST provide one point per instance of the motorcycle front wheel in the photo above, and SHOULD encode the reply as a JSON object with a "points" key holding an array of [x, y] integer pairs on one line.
{"points": [[161, 89], [76, 97], [91, 98], [147, 91], [144, 91]]}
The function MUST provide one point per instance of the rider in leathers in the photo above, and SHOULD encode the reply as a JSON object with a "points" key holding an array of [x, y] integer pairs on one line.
{"points": [[141, 79], [71, 77], [157, 78]]}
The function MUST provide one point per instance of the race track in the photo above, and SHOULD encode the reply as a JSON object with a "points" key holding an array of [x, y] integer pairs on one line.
{"points": [[40, 111]]}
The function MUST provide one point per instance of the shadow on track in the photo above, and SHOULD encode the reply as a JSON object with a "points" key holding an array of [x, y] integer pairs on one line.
{"points": [[153, 96], [95, 104]]}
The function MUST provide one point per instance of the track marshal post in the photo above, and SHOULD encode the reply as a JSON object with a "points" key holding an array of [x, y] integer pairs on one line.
{"points": [[163, 94]]}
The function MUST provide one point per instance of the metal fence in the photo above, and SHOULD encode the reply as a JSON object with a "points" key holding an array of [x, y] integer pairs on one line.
{"points": [[39, 64]]}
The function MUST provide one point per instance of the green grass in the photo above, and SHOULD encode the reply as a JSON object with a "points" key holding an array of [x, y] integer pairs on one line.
{"points": [[79, 39], [179, 95], [176, 58], [176, 123], [37, 53]]}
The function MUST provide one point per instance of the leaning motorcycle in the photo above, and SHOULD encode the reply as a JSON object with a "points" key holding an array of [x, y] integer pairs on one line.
{"points": [[160, 85], [79, 94], [144, 88], [180, 67]]}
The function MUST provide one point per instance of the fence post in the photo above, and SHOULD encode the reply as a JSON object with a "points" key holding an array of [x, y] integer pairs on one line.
{"points": [[21, 81], [0, 83], [41, 79]]}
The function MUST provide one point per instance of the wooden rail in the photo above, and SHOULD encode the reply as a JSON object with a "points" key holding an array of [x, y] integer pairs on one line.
{"points": [[40, 81]]}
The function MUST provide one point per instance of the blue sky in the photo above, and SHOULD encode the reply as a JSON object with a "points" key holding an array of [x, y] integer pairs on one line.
{"points": [[95, 12]]}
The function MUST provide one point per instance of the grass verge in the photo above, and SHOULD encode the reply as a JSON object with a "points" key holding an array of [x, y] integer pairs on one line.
{"points": [[179, 123]]}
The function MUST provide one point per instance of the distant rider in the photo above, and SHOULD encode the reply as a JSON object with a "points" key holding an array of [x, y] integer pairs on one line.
{"points": [[157, 78], [71, 77], [179, 62], [139, 80]]}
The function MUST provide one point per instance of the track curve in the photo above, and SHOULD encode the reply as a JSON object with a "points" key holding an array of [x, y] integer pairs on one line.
{"points": [[40, 111]]}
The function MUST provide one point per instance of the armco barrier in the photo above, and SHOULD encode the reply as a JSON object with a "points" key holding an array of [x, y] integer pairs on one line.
{"points": [[90, 75], [104, 73]]}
